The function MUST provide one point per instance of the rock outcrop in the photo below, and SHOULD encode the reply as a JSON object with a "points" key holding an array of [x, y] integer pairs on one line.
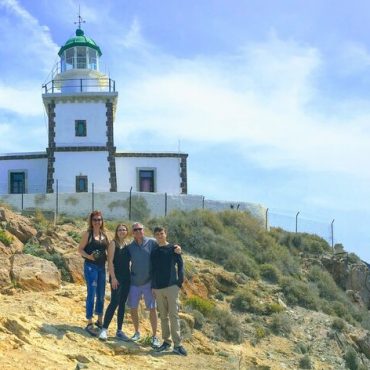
{"points": [[33, 273]]}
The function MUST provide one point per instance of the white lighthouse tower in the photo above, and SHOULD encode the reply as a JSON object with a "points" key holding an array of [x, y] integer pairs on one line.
{"points": [[80, 102]]}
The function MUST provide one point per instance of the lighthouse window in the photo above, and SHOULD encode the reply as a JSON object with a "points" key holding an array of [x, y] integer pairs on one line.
{"points": [[80, 127], [81, 184], [17, 182], [69, 58], [81, 57], [92, 59], [146, 180]]}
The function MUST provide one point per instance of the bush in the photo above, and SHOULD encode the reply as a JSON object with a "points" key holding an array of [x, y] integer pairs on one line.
{"points": [[199, 319], [240, 262], [281, 324], [76, 236], [338, 324], [269, 273], [305, 362], [328, 289], [204, 306], [5, 239], [227, 327], [219, 296], [351, 359], [274, 308], [245, 301], [298, 293]]}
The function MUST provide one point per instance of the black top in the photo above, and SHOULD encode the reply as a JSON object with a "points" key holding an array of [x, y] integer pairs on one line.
{"points": [[163, 267], [97, 245], [121, 263]]}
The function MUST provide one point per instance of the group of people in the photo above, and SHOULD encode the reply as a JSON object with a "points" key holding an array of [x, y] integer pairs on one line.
{"points": [[145, 267]]}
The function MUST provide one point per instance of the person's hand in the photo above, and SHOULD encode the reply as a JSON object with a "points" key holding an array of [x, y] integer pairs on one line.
{"points": [[90, 257], [114, 283], [177, 249]]}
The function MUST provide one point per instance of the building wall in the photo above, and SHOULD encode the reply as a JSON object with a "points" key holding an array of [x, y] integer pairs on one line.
{"points": [[34, 168], [167, 173], [68, 165], [95, 115]]}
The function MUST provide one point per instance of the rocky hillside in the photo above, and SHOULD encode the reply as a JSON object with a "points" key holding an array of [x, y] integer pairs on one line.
{"points": [[306, 311]]}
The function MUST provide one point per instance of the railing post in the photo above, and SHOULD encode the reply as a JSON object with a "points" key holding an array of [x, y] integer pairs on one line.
{"points": [[52, 86], [92, 198], [296, 221], [266, 219], [332, 234], [202, 202], [129, 205], [110, 87], [56, 202], [22, 199], [80, 84], [165, 204]]}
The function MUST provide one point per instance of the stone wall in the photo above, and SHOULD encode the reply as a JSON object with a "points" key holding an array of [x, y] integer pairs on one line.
{"points": [[114, 205]]}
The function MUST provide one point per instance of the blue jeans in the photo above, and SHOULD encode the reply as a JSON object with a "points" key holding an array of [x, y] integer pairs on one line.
{"points": [[95, 283]]}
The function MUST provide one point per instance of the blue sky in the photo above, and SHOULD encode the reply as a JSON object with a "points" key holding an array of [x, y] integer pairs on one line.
{"points": [[271, 99]]}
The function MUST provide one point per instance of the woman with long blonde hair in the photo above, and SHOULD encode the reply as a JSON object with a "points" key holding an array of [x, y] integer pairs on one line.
{"points": [[93, 248], [119, 277]]}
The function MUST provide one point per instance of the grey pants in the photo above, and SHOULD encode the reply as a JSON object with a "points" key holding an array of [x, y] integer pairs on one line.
{"points": [[168, 313]]}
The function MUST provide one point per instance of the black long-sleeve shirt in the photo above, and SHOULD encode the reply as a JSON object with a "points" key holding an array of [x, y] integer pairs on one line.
{"points": [[167, 267]]}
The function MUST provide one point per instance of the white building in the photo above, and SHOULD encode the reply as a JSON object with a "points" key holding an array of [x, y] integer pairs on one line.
{"points": [[81, 102]]}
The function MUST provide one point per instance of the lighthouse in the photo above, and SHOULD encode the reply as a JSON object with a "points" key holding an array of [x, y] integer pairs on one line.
{"points": [[80, 102]]}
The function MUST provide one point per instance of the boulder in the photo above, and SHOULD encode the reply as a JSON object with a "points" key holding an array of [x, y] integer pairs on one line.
{"points": [[74, 263], [16, 246], [34, 273], [4, 271], [19, 226]]}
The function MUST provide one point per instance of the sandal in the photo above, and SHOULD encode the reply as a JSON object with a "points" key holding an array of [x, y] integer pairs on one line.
{"points": [[90, 329]]}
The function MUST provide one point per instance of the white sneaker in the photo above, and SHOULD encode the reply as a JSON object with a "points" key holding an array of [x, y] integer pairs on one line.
{"points": [[155, 342], [135, 337], [103, 334]]}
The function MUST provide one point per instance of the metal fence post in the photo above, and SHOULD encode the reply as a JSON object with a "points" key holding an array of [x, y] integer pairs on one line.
{"points": [[266, 219], [332, 234], [129, 205], [22, 199], [165, 204], [202, 202], [56, 202], [296, 222], [92, 198]]}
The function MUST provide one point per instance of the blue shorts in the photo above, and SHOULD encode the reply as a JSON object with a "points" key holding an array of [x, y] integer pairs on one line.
{"points": [[136, 292]]}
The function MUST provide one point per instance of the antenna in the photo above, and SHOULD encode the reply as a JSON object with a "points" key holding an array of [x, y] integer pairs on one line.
{"points": [[80, 20]]}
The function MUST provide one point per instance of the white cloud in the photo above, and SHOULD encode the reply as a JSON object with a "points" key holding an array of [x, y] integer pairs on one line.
{"points": [[257, 101]]}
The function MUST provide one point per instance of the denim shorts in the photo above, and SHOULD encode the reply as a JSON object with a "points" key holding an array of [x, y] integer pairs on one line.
{"points": [[136, 292]]}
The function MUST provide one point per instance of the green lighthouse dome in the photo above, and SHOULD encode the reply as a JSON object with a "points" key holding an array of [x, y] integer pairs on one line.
{"points": [[80, 40]]}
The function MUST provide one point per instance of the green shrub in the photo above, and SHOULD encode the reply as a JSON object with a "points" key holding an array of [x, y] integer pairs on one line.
{"points": [[351, 359], [305, 362], [274, 308], [76, 236], [328, 289], [301, 347], [240, 262], [5, 239], [219, 296], [269, 273], [227, 327], [245, 301], [338, 324], [281, 324], [199, 319], [260, 333], [299, 293], [204, 306]]}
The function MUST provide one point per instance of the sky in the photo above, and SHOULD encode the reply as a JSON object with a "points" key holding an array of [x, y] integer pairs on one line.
{"points": [[270, 99]]}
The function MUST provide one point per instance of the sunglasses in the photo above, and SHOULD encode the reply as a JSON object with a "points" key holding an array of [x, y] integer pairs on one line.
{"points": [[138, 229], [97, 219]]}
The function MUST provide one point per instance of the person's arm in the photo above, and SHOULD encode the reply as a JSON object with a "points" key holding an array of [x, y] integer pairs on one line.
{"points": [[82, 245], [153, 270], [111, 250], [177, 249], [180, 270]]}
